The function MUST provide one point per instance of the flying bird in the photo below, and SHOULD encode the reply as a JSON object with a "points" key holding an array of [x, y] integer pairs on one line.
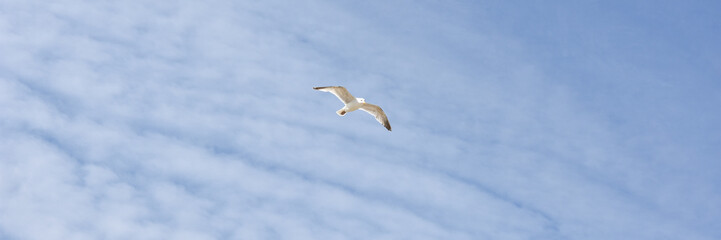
{"points": [[353, 103]]}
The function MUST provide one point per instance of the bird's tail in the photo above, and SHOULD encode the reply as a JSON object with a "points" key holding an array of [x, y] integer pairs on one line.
{"points": [[341, 112]]}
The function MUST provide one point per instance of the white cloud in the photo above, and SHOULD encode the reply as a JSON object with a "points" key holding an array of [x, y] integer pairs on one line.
{"points": [[188, 120]]}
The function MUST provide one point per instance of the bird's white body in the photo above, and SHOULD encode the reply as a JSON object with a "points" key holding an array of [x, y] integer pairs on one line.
{"points": [[351, 106]]}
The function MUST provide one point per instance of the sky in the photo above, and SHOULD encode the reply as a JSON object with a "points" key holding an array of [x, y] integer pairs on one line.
{"points": [[511, 120]]}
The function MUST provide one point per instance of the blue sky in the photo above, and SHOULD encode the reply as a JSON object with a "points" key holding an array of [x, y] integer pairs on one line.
{"points": [[197, 120]]}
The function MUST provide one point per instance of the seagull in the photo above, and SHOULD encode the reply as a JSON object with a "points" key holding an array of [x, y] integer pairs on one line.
{"points": [[353, 103]]}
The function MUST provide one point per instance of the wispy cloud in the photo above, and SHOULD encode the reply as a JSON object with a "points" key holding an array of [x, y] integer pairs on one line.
{"points": [[188, 120]]}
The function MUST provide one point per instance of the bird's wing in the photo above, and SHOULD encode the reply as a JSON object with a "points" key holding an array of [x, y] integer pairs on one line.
{"points": [[378, 113], [339, 92]]}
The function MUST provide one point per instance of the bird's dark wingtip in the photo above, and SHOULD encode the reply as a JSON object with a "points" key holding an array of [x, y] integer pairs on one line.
{"points": [[319, 88]]}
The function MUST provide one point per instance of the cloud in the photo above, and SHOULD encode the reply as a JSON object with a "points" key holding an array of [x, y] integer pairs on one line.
{"points": [[196, 120]]}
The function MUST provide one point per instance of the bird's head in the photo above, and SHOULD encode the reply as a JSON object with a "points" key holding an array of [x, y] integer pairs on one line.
{"points": [[361, 100]]}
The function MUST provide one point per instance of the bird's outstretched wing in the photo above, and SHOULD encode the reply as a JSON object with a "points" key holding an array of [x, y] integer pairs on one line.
{"points": [[378, 113], [339, 92]]}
